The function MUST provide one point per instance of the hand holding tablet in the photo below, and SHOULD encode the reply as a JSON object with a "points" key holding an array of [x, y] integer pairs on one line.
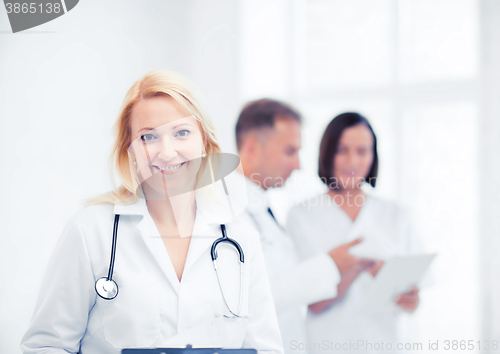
{"points": [[395, 284]]}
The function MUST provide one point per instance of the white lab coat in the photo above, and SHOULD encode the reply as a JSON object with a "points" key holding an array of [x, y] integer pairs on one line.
{"points": [[294, 283], [318, 225], [152, 309]]}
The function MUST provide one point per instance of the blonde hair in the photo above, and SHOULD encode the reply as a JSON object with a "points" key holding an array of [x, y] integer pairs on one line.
{"points": [[153, 84]]}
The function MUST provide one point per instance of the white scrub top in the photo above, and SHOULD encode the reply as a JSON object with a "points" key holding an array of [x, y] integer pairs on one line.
{"points": [[318, 225], [294, 283], [153, 308]]}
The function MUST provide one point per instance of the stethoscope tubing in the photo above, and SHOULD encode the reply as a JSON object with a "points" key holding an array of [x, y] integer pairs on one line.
{"points": [[113, 247]]}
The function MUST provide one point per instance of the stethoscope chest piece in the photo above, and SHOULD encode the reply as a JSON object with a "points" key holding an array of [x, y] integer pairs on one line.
{"points": [[106, 288]]}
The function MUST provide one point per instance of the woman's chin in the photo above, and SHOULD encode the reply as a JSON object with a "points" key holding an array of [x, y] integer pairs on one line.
{"points": [[160, 191], [350, 182]]}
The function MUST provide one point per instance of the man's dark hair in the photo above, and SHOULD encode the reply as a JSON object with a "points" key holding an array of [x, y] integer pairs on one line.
{"points": [[262, 114], [330, 143]]}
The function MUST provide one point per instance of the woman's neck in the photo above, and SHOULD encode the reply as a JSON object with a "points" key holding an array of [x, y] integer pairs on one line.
{"points": [[175, 214], [353, 192], [174, 218], [350, 200]]}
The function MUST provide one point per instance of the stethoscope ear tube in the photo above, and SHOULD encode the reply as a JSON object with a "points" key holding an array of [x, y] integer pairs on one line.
{"points": [[224, 238], [213, 253], [106, 287]]}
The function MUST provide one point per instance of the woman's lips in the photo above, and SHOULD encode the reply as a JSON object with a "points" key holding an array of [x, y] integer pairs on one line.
{"points": [[170, 169]]}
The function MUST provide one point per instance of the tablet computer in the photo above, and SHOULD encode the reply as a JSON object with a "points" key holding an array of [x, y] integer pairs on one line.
{"points": [[395, 277]]}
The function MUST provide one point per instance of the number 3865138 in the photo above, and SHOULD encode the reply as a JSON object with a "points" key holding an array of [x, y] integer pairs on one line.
{"points": [[33, 8]]}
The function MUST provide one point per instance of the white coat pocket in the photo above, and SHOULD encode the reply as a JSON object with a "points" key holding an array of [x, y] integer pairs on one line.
{"points": [[132, 319], [233, 330]]}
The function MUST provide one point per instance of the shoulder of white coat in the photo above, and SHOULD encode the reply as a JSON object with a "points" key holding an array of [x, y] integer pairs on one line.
{"points": [[94, 213], [94, 220], [87, 225]]}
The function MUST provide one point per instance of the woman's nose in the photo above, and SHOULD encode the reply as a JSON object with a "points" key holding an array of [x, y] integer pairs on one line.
{"points": [[352, 159], [168, 151]]}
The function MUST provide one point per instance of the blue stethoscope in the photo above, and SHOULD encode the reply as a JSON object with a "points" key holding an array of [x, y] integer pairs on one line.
{"points": [[107, 288]]}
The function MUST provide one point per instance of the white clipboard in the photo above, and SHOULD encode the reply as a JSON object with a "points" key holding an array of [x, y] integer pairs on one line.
{"points": [[395, 277]]}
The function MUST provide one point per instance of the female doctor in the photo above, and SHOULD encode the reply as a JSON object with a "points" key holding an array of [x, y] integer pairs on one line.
{"points": [[348, 158], [167, 292]]}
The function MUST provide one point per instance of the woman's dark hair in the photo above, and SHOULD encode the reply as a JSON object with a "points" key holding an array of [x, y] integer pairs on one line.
{"points": [[330, 142]]}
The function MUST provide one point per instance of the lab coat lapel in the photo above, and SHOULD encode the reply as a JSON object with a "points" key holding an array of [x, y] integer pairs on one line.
{"points": [[151, 237], [257, 198], [204, 234], [211, 211], [154, 242]]}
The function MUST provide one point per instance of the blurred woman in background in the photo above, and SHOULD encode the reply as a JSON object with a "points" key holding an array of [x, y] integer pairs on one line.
{"points": [[348, 159]]}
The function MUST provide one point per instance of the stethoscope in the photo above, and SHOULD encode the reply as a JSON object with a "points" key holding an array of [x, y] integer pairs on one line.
{"points": [[107, 288]]}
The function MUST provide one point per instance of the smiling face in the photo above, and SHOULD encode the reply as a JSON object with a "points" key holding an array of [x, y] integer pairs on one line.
{"points": [[354, 156], [167, 146]]}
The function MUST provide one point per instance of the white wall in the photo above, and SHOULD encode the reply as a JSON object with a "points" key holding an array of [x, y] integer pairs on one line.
{"points": [[489, 168]]}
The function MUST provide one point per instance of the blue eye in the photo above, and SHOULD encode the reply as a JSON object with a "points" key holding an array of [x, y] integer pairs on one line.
{"points": [[183, 133], [147, 137]]}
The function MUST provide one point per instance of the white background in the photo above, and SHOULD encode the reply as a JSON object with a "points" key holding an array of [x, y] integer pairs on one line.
{"points": [[425, 73]]}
